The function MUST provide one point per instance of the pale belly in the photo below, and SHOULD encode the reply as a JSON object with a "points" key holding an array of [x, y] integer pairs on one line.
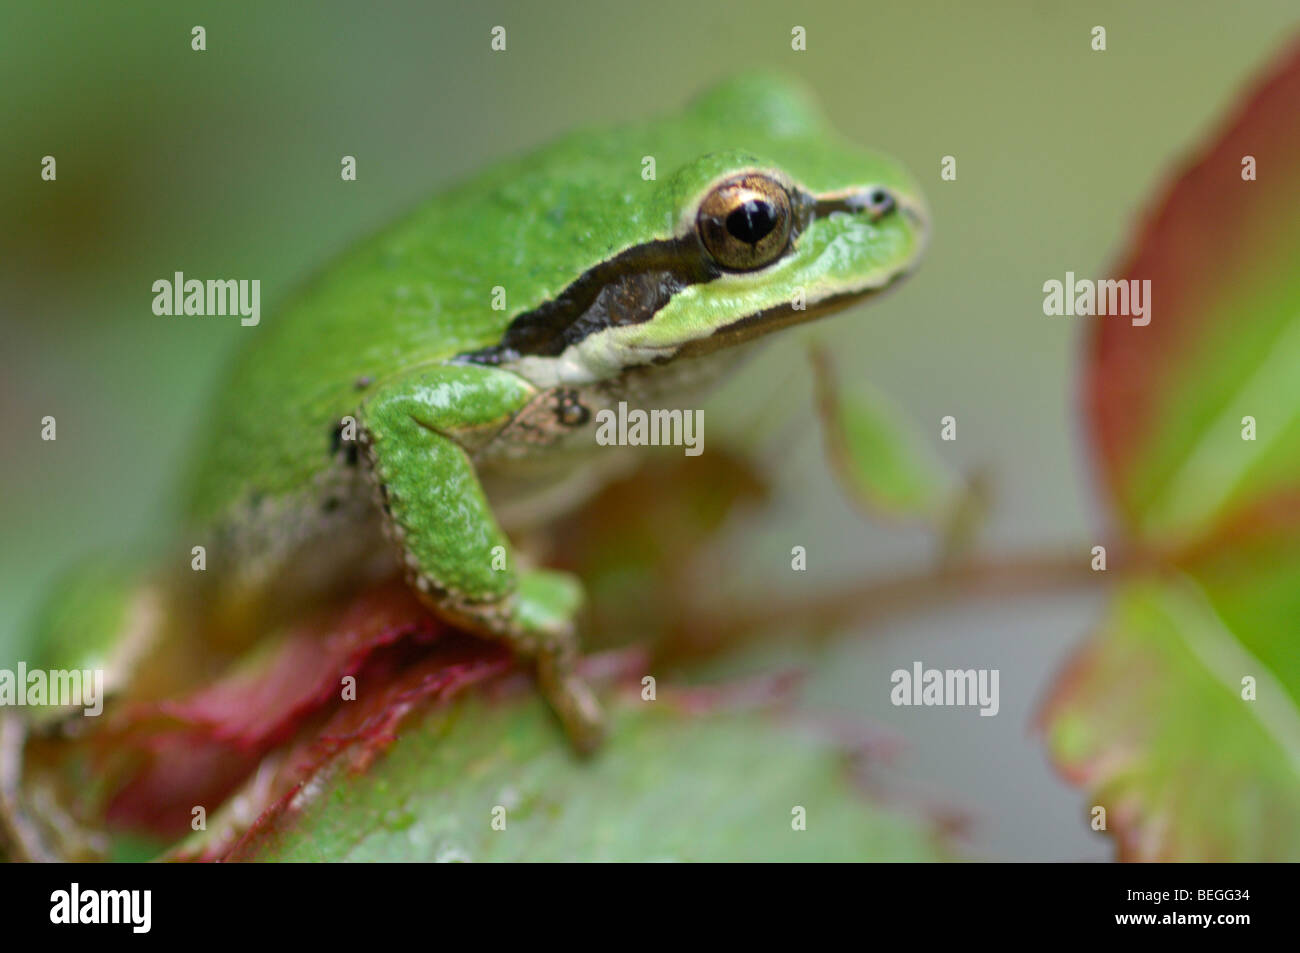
{"points": [[279, 554]]}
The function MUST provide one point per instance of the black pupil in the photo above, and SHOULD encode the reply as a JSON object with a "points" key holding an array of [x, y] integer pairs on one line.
{"points": [[752, 221]]}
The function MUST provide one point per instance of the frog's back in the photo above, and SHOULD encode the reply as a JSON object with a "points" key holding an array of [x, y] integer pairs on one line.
{"points": [[422, 290]]}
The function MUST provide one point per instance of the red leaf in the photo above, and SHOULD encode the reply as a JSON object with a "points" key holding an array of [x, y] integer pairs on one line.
{"points": [[1209, 237], [167, 757]]}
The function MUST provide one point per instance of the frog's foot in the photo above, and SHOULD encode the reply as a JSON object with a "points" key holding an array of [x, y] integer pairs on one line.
{"points": [[536, 622]]}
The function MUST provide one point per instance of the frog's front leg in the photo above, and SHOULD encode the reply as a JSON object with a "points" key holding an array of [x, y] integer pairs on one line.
{"points": [[418, 431]]}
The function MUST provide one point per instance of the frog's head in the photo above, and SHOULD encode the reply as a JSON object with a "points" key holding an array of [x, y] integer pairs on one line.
{"points": [[733, 243]]}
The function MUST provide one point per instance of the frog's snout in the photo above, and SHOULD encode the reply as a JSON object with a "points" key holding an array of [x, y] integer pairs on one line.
{"points": [[913, 210]]}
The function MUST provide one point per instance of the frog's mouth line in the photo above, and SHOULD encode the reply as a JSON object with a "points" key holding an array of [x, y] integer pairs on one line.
{"points": [[784, 315]]}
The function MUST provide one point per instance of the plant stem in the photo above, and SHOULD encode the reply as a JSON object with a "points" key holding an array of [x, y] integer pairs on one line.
{"points": [[816, 617]]}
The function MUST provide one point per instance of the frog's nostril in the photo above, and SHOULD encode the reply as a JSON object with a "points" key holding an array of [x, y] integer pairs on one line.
{"points": [[875, 202]]}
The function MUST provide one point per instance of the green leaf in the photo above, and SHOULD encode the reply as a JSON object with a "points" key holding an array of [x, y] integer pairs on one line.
{"points": [[1150, 718], [670, 785], [875, 452]]}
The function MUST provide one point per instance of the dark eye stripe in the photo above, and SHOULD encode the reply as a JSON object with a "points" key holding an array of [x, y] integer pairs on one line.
{"points": [[629, 288]]}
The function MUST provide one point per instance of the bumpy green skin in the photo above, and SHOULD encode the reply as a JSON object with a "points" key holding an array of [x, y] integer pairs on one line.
{"points": [[429, 483], [420, 291], [375, 338]]}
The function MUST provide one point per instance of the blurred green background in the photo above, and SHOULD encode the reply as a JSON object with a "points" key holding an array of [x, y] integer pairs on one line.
{"points": [[226, 163]]}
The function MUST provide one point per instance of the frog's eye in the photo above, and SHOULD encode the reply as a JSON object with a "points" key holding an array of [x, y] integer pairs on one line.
{"points": [[745, 222]]}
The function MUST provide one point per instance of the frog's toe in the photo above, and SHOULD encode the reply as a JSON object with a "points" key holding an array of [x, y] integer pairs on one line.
{"points": [[547, 602], [572, 700]]}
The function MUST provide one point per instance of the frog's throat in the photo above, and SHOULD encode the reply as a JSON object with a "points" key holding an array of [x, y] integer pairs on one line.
{"points": [[631, 287]]}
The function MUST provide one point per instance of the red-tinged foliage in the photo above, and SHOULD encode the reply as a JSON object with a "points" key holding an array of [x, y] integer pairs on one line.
{"points": [[355, 734], [164, 758], [1203, 239], [1152, 715]]}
